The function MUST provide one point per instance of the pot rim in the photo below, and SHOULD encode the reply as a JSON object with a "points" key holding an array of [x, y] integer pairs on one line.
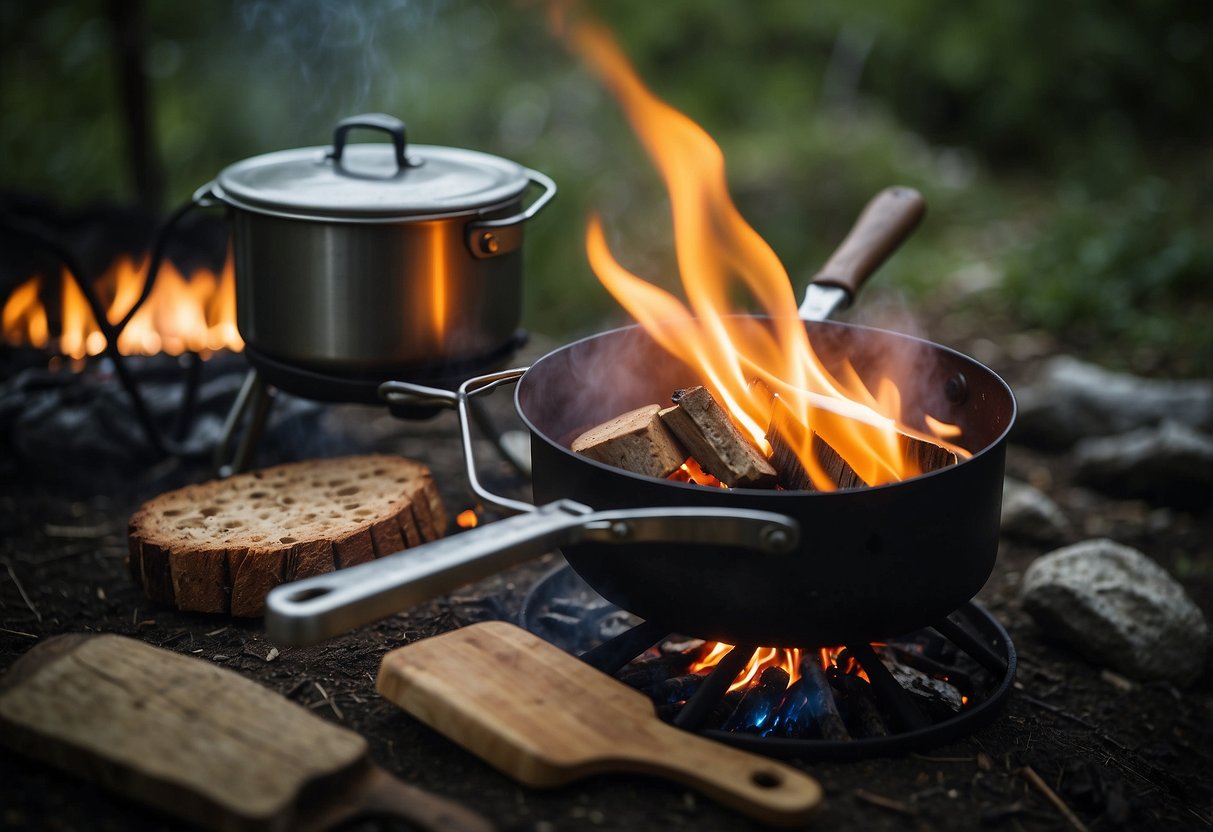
{"points": [[213, 192], [777, 495]]}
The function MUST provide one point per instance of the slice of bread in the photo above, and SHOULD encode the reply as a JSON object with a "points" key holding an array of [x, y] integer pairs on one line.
{"points": [[220, 546]]}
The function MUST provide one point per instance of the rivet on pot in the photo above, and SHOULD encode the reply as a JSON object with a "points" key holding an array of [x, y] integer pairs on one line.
{"points": [[620, 530], [957, 389], [489, 243], [775, 538]]}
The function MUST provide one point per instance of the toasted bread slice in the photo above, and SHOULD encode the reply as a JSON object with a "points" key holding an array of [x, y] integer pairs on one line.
{"points": [[220, 546]]}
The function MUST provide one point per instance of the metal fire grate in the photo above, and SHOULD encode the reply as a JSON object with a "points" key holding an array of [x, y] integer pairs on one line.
{"points": [[564, 610]]}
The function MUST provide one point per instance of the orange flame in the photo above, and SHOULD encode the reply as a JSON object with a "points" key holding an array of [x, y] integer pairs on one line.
{"points": [[766, 657], [467, 519], [690, 471], [197, 314], [25, 316], [763, 658], [716, 249], [830, 657]]}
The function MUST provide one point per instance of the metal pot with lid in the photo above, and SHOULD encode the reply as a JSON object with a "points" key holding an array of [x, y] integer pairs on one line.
{"points": [[370, 260]]}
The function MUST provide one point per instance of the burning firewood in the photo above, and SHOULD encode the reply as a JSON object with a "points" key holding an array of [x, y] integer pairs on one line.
{"points": [[939, 698], [636, 441], [759, 703], [928, 456], [715, 442], [787, 433], [697, 436], [820, 698], [863, 715]]}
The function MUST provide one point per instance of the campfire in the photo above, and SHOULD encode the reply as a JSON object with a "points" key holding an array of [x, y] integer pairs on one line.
{"points": [[761, 410], [182, 314], [785, 702]]}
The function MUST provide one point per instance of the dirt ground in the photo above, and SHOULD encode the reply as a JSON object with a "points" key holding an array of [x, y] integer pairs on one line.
{"points": [[1119, 754]]}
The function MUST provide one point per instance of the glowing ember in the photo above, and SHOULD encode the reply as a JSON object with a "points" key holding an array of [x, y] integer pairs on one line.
{"points": [[467, 519], [717, 252], [830, 658], [691, 472], [197, 314]]}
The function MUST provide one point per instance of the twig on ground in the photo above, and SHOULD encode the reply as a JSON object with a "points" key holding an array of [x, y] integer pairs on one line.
{"points": [[295, 688], [1029, 774], [21, 589], [18, 633], [174, 637], [1061, 712], [324, 694], [1053, 709], [888, 803]]}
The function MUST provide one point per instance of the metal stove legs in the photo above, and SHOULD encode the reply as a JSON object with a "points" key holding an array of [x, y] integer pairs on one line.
{"points": [[254, 401]]}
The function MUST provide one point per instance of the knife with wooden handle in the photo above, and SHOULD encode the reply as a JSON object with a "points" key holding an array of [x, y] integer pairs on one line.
{"points": [[885, 223]]}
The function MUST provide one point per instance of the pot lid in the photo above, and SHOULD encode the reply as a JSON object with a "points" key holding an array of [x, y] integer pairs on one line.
{"points": [[377, 181]]}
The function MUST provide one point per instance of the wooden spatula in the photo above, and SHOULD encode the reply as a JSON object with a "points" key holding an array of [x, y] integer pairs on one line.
{"points": [[545, 718], [199, 742]]}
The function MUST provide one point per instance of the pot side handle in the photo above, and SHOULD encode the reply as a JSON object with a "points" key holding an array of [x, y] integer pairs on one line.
{"points": [[489, 238], [207, 195]]}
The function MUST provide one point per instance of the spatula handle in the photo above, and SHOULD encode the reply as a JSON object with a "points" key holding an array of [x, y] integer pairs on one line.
{"points": [[768, 791]]}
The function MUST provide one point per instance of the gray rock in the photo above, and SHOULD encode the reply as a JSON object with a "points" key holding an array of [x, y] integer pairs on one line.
{"points": [[1029, 514], [1074, 400], [1171, 464], [1118, 608]]}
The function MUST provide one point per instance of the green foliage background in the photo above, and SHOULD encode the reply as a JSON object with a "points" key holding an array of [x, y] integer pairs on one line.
{"points": [[1063, 148]]}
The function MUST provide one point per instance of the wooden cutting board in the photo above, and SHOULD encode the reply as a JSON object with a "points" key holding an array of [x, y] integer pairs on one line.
{"points": [[546, 718], [199, 742]]}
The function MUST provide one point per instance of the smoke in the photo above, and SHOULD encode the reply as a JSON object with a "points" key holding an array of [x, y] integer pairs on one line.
{"points": [[334, 56]]}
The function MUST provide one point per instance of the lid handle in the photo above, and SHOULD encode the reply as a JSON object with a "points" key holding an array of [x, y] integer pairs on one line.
{"points": [[391, 125]]}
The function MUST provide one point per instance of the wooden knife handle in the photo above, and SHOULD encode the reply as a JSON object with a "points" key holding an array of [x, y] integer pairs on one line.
{"points": [[885, 223], [378, 794]]}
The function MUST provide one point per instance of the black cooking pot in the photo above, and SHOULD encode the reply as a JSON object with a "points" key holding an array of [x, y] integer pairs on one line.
{"points": [[372, 259], [777, 568], [872, 562]]}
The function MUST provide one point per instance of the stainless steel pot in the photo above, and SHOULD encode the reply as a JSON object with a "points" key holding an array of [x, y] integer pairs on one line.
{"points": [[365, 258]]}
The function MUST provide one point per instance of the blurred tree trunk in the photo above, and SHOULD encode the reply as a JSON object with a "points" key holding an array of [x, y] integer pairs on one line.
{"points": [[129, 33]]}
